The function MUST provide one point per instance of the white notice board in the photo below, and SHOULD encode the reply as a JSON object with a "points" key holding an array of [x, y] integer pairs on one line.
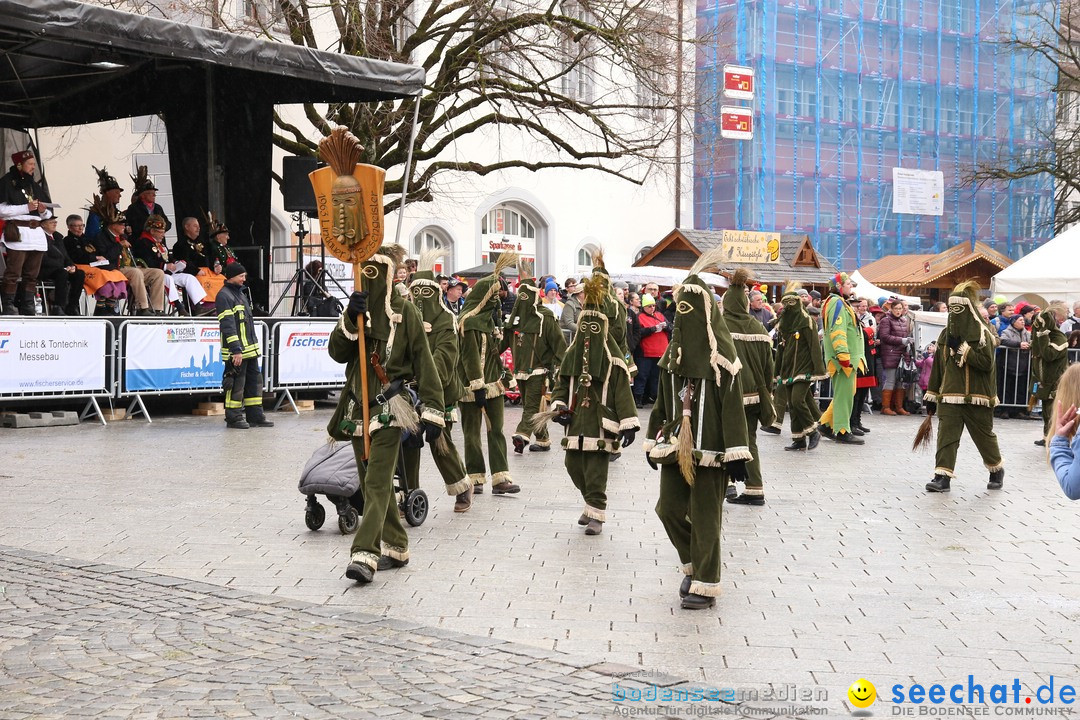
{"points": [[918, 192]]}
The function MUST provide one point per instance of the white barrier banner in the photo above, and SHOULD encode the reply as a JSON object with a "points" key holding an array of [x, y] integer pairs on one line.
{"points": [[301, 356], [52, 356], [183, 355]]}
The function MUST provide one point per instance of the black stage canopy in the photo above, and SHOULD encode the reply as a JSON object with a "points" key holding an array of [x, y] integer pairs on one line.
{"points": [[68, 63]]}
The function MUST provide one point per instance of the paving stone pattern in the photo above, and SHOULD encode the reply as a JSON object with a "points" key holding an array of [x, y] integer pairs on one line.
{"points": [[849, 571]]}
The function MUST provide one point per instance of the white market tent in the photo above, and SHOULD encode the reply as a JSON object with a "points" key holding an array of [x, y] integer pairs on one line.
{"points": [[1052, 271], [665, 276], [866, 289]]}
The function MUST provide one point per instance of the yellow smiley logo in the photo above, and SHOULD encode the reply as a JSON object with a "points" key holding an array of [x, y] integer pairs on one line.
{"points": [[862, 693]]}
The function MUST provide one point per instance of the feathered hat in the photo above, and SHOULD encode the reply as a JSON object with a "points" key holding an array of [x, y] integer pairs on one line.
{"points": [[214, 226], [108, 213], [106, 182], [142, 182]]}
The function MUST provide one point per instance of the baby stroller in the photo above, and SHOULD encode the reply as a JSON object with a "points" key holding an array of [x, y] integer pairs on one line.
{"points": [[512, 395], [331, 471]]}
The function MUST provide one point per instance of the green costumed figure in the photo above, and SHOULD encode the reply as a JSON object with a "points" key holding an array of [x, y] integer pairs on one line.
{"points": [[754, 348], [843, 357], [441, 330], [615, 310], [537, 346], [799, 365], [484, 380], [1049, 359], [963, 389], [398, 354], [592, 399], [697, 433]]}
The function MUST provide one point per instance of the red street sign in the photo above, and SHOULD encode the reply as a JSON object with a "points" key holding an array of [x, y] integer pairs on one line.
{"points": [[736, 123], [738, 82]]}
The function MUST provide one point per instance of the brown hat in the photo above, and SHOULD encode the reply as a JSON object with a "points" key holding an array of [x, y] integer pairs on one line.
{"points": [[20, 157], [155, 222]]}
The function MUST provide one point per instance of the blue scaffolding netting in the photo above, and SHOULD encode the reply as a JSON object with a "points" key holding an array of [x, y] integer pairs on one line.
{"points": [[847, 90]]}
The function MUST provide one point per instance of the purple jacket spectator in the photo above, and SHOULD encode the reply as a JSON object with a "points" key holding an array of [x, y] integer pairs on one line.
{"points": [[893, 334]]}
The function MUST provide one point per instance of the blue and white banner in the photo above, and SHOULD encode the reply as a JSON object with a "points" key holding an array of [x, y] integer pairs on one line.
{"points": [[52, 356], [174, 355], [301, 357]]}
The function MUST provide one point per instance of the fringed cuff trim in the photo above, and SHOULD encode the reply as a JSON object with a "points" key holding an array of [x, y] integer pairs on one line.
{"points": [[630, 423], [433, 417], [661, 449], [755, 490], [707, 589], [543, 443], [648, 445], [452, 415], [804, 433], [595, 513], [741, 452], [397, 553], [517, 435], [631, 369], [751, 337], [930, 397], [365, 558], [709, 458], [558, 405], [947, 472], [349, 334], [477, 478], [459, 487], [499, 477], [475, 385], [751, 399], [590, 444], [995, 468], [983, 400], [610, 425], [526, 375], [687, 569], [962, 351]]}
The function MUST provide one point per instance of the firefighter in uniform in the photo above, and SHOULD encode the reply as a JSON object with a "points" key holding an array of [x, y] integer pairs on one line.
{"points": [[593, 401], [441, 330], [243, 381], [537, 346], [697, 434]]}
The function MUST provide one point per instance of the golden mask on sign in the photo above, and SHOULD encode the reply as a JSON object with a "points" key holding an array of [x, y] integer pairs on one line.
{"points": [[348, 225]]}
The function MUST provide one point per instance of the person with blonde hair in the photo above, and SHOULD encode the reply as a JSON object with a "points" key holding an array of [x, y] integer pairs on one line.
{"points": [[1064, 445]]}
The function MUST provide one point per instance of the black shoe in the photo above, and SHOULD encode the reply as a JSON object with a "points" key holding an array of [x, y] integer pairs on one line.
{"points": [[846, 438], [940, 483], [863, 428], [144, 312], [237, 424], [799, 444], [1041, 442], [360, 572], [771, 429], [262, 422], [826, 431], [478, 489], [583, 520], [815, 438], [731, 493], [692, 601], [537, 447], [640, 404], [745, 499], [519, 444], [857, 431], [997, 479], [388, 563], [595, 527], [684, 586]]}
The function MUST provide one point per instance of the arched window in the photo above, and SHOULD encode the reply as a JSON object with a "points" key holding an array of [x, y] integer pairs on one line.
{"points": [[505, 229], [641, 253], [583, 260], [430, 238]]}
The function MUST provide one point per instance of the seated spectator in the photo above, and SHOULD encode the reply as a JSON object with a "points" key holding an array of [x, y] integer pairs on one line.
{"points": [[218, 251], [190, 248], [146, 285], [151, 252], [110, 192], [101, 279], [1016, 344], [58, 268], [143, 204]]}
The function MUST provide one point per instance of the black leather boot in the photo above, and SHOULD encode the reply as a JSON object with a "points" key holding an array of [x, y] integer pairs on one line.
{"points": [[940, 483], [997, 479]]}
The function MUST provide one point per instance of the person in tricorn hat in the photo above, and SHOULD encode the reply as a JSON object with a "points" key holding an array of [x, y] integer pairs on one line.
{"points": [[22, 208], [243, 381], [697, 434], [144, 203]]}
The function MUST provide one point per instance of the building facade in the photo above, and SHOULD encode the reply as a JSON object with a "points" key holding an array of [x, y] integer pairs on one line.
{"points": [[846, 91]]}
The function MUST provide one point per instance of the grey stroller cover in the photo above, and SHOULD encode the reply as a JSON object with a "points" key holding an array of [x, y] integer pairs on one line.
{"points": [[331, 470]]}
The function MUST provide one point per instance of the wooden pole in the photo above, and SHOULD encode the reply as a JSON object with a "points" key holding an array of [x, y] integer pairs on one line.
{"points": [[360, 323]]}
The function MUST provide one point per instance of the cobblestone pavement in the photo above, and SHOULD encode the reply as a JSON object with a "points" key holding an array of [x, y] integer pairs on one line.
{"points": [[849, 571]]}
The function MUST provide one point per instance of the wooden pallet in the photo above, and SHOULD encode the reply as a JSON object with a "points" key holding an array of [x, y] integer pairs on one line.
{"points": [[301, 405], [208, 409]]}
